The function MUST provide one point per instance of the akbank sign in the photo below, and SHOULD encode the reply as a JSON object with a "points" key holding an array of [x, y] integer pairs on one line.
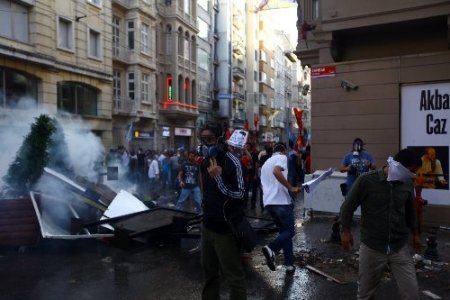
{"points": [[425, 128]]}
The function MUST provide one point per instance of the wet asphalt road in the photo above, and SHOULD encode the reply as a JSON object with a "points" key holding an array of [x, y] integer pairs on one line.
{"points": [[170, 269]]}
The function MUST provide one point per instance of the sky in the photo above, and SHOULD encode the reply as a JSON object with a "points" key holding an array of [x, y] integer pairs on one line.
{"points": [[284, 15]]}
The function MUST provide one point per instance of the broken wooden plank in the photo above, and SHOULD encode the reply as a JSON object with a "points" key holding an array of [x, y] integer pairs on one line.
{"points": [[309, 267]]}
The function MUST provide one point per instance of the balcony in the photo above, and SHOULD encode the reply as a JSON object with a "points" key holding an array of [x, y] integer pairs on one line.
{"points": [[238, 95], [125, 106], [177, 110], [238, 47], [146, 7], [238, 73], [171, 9]]}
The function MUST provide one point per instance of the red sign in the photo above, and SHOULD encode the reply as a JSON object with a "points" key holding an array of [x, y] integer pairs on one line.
{"points": [[326, 71]]}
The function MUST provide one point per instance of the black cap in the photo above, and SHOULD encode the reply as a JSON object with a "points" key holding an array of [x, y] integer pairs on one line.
{"points": [[279, 146], [358, 140]]}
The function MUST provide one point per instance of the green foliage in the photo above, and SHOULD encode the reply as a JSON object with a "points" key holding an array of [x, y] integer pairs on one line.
{"points": [[31, 158]]}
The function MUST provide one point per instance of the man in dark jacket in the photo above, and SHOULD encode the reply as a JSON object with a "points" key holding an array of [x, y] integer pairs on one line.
{"points": [[388, 216], [223, 192]]}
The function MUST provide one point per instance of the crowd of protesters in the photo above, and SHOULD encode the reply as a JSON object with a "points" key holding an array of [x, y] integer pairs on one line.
{"points": [[160, 172]]}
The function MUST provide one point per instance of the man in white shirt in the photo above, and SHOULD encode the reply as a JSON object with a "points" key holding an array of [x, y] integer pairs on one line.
{"points": [[153, 172], [278, 202]]}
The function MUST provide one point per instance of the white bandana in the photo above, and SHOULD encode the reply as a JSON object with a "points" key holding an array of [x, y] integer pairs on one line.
{"points": [[397, 172]]}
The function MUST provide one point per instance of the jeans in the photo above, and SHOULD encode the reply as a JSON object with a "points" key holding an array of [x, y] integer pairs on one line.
{"points": [[283, 216], [372, 265], [196, 193], [221, 260]]}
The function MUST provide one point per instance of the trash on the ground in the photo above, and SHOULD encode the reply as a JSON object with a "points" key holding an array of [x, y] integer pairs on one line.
{"points": [[417, 258], [107, 259], [329, 277], [431, 295]]}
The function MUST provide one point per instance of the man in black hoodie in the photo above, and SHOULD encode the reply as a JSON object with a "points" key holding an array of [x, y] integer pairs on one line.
{"points": [[223, 192]]}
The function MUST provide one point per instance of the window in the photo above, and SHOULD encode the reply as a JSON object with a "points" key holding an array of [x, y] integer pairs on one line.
{"points": [[94, 44], [131, 85], [315, 9], [186, 46], [16, 87], [96, 2], [65, 33], [77, 98], [145, 38], [203, 59], [13, 20], [130, 33], [263, 55], [256, 55], [186, 6], [262, 77], [117, 84], [145, 88], [255, 75], [203, 29], [203, 4], [168, 40], [116, 35]]}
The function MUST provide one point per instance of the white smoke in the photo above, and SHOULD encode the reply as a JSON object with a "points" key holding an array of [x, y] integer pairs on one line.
{"points": [[86, 151]]}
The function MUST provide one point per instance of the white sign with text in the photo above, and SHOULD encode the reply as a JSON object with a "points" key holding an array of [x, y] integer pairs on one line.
{"points": [[425, 127]]}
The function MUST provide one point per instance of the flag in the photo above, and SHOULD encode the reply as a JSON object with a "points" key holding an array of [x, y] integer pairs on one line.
{"points": [[261, 5], [256, 122], [129, 135]]}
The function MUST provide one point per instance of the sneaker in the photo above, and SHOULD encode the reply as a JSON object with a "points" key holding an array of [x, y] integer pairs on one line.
{"points": [[290, 269], [270, 257]]}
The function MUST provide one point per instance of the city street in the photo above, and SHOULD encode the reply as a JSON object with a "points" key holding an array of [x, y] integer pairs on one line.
{"points": [[93, 269]]}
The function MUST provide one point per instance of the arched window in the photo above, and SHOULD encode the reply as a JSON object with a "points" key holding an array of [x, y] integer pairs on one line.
{"points": [[168, 40], [180, 41], [193, 49], [180, 89], [16, 88], [187, 89], [77, 98], [186, 46], [194, 93]]}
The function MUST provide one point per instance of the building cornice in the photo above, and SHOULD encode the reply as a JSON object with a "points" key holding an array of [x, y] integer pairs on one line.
{"points": [[51, 62]]}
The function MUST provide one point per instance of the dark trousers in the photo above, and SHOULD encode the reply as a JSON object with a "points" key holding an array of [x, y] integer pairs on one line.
{"points": [[221, 257]]}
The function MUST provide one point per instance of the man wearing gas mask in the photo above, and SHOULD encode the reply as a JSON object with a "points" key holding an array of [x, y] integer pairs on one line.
{"points": [[388, 217], [223, 192], [355, 163]]}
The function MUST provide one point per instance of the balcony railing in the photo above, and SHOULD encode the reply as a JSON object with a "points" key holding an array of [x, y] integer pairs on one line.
{"points": [[178, 109], [125, 106]]}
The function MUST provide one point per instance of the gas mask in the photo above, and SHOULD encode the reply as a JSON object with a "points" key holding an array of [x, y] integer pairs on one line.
{"points": [[209, 150], [397, 172], [357, 148]]}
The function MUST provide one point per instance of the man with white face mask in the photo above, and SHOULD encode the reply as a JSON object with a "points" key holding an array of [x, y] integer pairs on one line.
{"points": [[388, 215]]}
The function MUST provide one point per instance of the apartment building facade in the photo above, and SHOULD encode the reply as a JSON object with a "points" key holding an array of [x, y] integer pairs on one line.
{"points": [[135, 107], [55, 56], [177, 83], [379, 72], [206, 60]]}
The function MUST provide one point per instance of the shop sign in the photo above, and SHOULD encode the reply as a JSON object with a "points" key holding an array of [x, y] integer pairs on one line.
{"points": [[166, 131], [145, 135], [183, 131]]}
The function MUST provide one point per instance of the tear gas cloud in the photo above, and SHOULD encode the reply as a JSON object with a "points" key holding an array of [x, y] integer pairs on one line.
{"points": [[86, 151]]}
